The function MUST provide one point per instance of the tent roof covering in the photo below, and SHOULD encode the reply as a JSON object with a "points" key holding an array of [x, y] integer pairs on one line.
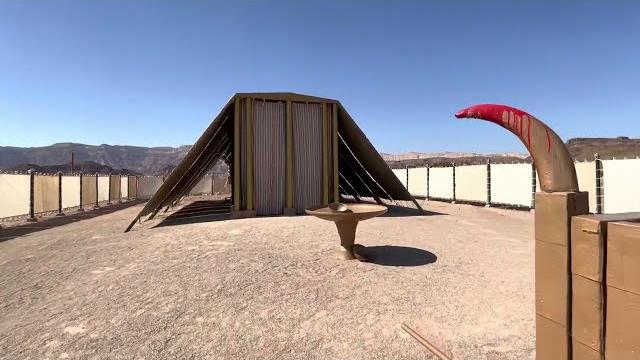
{"points": [[362, 171]]}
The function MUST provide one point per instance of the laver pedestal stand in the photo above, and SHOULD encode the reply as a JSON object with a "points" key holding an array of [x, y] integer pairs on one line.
{"points": [[346, 218]]}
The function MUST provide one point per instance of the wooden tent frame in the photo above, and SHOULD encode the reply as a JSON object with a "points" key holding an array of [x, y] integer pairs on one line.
{"points": [[350, 163]]}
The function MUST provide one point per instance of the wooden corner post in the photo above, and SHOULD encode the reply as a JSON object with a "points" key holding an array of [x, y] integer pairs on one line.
{"points": [[325, 156], [236, 155], [289, 210], [334, 117], [249, 147]]}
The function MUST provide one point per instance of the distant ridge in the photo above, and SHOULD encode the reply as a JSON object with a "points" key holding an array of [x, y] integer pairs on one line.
{"points": [[139, 159], [607, 148], [161, 160], [581, 149], [86, 167]]}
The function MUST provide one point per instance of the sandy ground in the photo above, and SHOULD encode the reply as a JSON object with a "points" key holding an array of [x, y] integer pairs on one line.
{"points": [[271, 288]]}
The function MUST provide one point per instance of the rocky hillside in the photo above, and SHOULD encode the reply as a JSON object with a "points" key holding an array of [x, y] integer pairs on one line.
{"points": [[445, 155], [415, 159], [86, 167], [620, 147], [143, 160], [161, 160], [579, 148]]}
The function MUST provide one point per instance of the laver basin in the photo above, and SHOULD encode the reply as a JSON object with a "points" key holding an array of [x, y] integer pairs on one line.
{"points": [[346, 218]]}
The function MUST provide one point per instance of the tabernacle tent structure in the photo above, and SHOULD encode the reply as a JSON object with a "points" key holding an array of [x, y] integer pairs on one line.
{"points": [[286, 152]]}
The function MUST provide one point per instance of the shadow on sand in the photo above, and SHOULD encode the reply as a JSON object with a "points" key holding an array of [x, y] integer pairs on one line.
{"points": [[219, 210], [55, 221], [391, 255], [198, 212], [401, 211]]}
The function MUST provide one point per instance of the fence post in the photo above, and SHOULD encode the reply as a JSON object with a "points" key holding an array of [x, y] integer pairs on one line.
{"points": [[453, 169], [80, 208], [212, 184], [599, 185], [533, 185], [110, 190], [488, 204], [407, 177], [97, 193], [428, 181], [60, 213], [120, 188], [32, 215]]}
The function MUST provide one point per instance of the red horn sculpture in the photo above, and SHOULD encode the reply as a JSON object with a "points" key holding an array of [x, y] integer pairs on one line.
{"points": [[550, 155]]}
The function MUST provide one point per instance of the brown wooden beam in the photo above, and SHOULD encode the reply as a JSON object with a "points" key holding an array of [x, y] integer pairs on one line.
{"points": [[289, 152], [249, 146], [325, 160], [236, 155]]}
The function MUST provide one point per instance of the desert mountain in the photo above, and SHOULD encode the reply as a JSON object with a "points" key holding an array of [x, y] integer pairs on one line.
{"points": [[161, 160], [580, 149], [86, 167], [139, 159], [607, 148]]}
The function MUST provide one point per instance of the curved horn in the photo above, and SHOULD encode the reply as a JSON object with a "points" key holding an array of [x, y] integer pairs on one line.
{"points": [[550, 156]]}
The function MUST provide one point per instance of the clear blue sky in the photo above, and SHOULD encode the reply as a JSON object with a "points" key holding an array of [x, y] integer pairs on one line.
{"points": [[155, 73]]}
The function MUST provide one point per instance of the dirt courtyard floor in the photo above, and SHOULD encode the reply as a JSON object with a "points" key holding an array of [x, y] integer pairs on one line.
{"points": [[271, 288]]}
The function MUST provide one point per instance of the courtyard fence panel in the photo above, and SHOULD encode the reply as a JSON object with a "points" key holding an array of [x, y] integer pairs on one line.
{"points": [[418, 181], [132, 190], [124, 187], [621, 183], [401, 174], [70, 191], [103, 188], [147, 186], [511, 184], [441, 183], [89, 189], [221, 184], [14, 195], [586, 173], [204, 186], [114, 188], [471, 183], [45, 193]]}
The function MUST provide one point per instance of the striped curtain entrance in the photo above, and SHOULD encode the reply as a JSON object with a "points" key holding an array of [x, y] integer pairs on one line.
{"points": [[307, 155], [269, 157]]}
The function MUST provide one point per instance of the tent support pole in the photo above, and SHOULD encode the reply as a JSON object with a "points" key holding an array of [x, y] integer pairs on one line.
{"points": [[334, 135], [325, 155], [289, 210], [249, 146], [236, 155]]}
